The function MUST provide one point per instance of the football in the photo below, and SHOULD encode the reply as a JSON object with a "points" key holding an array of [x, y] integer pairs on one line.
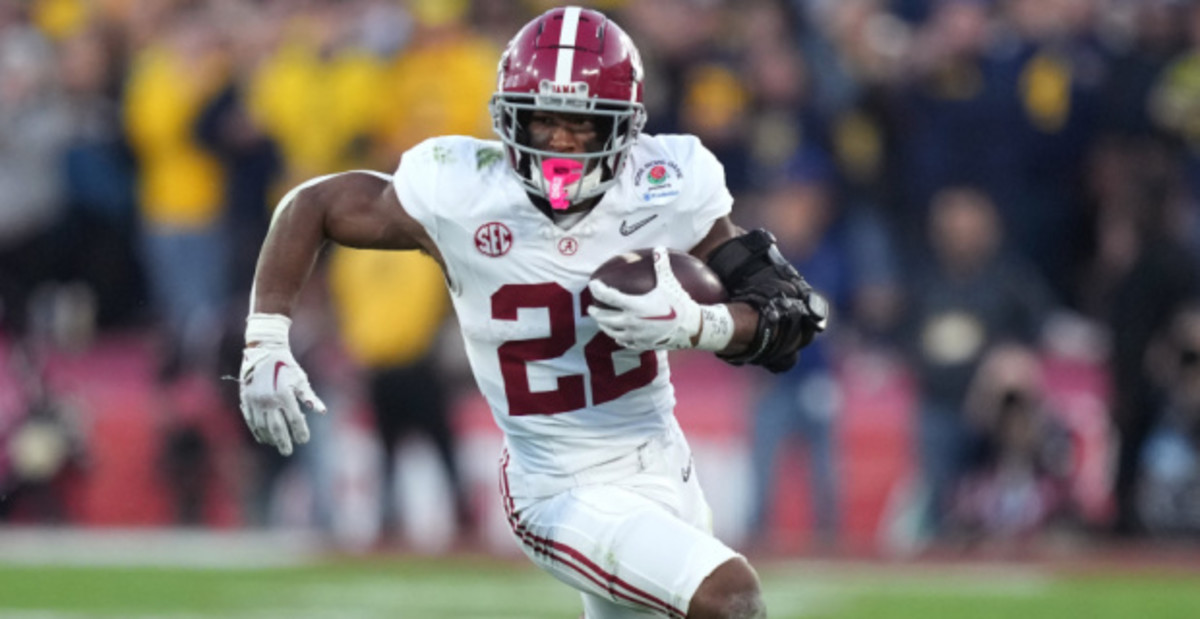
{"points": [[633, 273]]}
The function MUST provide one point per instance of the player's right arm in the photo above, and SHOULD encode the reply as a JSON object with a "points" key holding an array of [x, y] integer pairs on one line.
{"points": [[355, 209]]}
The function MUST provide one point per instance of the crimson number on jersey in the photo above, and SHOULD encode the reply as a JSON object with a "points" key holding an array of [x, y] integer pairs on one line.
{"points": [[569, 393]]}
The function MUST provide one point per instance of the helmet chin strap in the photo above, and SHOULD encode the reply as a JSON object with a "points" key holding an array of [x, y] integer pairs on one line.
{"points": [[561, 181]]}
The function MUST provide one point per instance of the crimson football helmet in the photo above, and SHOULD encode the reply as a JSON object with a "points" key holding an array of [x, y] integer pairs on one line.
{"points": [[576, 61]]}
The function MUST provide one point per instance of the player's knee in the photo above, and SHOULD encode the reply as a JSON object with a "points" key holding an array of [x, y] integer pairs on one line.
{"points": [[730, 592]]}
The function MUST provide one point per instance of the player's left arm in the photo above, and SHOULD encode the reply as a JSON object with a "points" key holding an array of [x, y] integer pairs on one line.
{"points": [[774, 311], [771, 315], [743, 317]]}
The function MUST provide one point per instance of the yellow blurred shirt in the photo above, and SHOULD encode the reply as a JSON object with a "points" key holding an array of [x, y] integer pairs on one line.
{"points": [[439, 88], [317, 109], [59, 19], [390, 304], [179, 183]]}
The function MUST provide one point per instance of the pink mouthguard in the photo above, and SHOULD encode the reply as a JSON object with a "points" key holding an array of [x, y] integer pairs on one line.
{"points": [[560, 173]]}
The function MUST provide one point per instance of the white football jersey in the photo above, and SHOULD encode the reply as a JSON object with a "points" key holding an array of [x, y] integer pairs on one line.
{"points": [[565, 395]]}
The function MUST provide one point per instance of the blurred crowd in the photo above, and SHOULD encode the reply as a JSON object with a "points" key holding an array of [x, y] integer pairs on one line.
{"points": [[975, 184]]}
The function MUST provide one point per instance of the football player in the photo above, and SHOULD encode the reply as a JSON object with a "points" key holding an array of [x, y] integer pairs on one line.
{"points": [[595, 476]]}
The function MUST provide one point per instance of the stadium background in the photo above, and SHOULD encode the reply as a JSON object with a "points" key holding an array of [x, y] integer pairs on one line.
{"points": [[132, 129]]}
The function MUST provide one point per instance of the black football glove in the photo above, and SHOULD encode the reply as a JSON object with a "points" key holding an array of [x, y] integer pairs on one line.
{"points": [[790, 312]]}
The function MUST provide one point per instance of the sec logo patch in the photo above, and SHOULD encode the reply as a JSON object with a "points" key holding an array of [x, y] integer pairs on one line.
{"points": [[493, 239]]}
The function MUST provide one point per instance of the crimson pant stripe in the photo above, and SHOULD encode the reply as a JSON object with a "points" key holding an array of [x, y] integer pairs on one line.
{"points": [[572, 558], [511, 513], [565, 554]]}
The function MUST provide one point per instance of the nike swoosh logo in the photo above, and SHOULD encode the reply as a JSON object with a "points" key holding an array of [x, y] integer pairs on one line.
{"points": [[627, 229], [687, 471], [279, 365], [668, 316]]}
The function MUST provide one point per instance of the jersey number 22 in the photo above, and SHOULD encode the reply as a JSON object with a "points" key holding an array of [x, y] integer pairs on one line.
{"points": [[569, 393]]}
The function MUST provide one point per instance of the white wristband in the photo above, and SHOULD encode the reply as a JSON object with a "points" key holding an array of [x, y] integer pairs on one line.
{"points": [[267, 329], [716, 327]]}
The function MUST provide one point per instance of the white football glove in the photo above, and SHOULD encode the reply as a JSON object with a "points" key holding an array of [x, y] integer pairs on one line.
{"points": [[274, 390], [666, 318]]}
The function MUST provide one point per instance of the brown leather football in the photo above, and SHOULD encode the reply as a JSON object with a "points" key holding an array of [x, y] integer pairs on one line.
{"points": [[633, 273]]}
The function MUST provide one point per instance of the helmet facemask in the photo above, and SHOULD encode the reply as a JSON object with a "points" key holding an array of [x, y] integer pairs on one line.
{"points": [[551, 174]]}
